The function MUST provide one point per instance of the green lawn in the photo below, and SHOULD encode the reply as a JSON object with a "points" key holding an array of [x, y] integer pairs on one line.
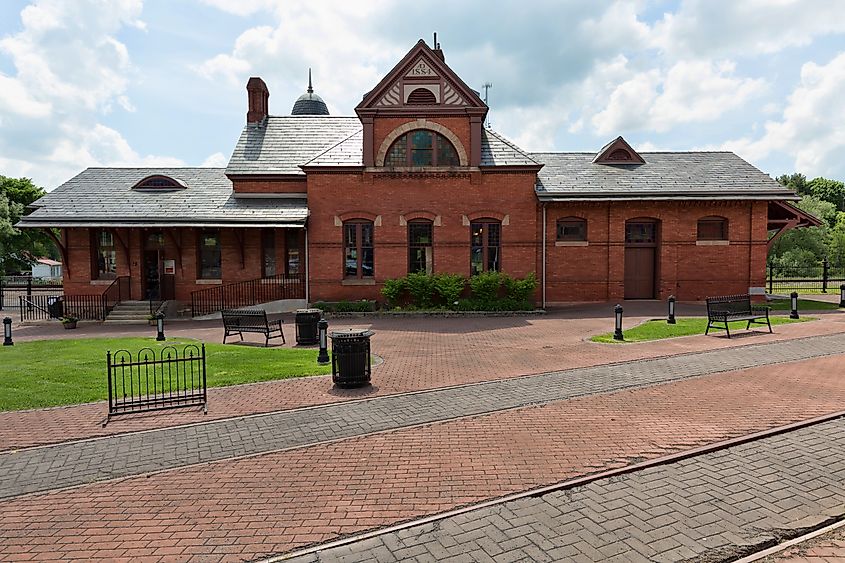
{"points": [[49, 373], [803, 305], [660, 329]]}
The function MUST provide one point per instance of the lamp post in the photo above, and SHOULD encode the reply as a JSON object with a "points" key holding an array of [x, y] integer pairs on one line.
{"points": [[842, 295], [671, 319], [617, 334], [322, 328], [160, 327], [793, 298], [7, 332]]}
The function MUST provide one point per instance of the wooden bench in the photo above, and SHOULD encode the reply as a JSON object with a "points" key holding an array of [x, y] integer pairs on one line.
{"points": [[729, 308], [239, 321]]}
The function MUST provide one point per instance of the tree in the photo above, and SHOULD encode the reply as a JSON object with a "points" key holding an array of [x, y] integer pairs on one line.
{"points": [[20, 247], [828, 190], [796, 182]]}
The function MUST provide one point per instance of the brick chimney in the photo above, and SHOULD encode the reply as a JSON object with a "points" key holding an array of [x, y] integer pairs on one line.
{"points": [[257, 94]]}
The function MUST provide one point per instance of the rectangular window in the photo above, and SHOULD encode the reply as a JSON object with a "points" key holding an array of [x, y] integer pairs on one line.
{"points": [[485, 247], [106, 257], [712, 229], [359, 258], [422, 148], [209, 256], [268, 252], [420, 256], [571, 230]]}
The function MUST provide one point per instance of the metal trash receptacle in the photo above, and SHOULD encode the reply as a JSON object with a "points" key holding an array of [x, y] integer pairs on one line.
{"points": [[351, 365], [306, 326], [56, 307]]}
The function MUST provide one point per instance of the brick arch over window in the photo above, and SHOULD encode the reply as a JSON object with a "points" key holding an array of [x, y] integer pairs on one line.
{"points": [[421, 124]]}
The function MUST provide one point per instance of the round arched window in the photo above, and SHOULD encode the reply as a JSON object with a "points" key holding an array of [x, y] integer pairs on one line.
{"points": [[422, 148]]}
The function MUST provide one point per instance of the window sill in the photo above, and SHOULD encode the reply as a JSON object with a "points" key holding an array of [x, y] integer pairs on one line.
{"points": [[355, 281], [712, 242], [103, 282], [209, 282], [572, 243]]}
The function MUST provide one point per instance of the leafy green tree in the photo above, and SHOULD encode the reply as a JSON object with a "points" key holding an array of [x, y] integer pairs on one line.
{"points": [[19, 247], [796, 182], [828, 190]]}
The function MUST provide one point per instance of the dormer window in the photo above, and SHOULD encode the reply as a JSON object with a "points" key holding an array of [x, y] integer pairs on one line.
{"points": [[158, 182], [618, 151], [422, 148], [620, 155]]}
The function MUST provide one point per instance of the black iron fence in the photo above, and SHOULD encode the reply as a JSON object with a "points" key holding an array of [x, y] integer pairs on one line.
{"points": [[14, 287], [148, 383], [43, 306], [806, 279], [246, 294]]}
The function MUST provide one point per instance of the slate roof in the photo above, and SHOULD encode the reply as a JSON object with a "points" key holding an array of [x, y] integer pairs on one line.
{"points": [[104, 196], [495, 151], [281, 144], [309, 104], [665, 175]]}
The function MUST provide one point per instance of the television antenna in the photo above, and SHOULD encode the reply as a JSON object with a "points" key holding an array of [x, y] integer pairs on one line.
{"points": [[487, 86]]}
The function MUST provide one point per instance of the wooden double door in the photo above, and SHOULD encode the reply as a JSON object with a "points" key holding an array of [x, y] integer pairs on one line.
{"points": [[641, 245]]}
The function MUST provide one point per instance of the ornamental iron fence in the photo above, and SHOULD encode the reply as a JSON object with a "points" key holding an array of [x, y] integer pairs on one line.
{"points": [[148, 383], [805, 279], [94, 307]]}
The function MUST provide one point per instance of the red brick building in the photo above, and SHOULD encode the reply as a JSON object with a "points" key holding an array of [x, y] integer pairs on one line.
{"points": [[415, 182]]}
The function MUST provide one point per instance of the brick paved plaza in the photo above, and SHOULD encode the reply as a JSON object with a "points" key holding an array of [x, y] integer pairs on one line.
{"points": [[463, 411]]}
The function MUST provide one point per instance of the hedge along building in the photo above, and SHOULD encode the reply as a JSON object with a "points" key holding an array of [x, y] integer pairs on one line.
{"points": [[415, 182]]}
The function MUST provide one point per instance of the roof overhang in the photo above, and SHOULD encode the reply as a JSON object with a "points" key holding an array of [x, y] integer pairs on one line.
{"points": [[100, 223], [782, 213], [693, 196]]}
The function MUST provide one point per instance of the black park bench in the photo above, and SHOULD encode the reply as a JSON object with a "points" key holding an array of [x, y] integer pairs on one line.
{"points": [[239, 321], [727, 308]]}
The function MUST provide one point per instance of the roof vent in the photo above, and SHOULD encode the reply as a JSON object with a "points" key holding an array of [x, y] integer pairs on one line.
{"points": [[309, 103], [159, 182]]}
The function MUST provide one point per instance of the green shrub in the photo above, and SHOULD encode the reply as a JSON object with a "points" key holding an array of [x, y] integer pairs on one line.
{"points": [[421, 288], [485, 286], [362, 306], [449, 287], [392, 290], [520, 289], [495, 305]]}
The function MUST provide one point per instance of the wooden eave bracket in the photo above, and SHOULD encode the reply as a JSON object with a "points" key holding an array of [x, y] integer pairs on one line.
{"points": [[61, 246], [788, 226], [123, 244]]}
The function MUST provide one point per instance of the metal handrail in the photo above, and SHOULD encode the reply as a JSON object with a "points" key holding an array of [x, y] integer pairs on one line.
{"points": [[247, 293]]}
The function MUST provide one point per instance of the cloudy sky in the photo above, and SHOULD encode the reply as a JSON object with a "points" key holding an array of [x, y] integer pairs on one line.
{"points": [[162, 82]]}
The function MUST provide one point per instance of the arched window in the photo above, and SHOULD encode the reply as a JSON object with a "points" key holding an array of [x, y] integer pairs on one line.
{"points": [[620, 155], [420, 246], [358, 257], [485, 246], [159, 182], [571, 229], [712, 228], [422, 148]]}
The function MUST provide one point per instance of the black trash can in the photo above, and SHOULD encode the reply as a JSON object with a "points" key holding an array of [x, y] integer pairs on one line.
{"points": [[351, 365], [56, 307], [306, 326]]}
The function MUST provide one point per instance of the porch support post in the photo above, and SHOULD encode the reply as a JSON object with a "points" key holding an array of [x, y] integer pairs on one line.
{"points": [[177, 243], [239, 235], [307, 276]]}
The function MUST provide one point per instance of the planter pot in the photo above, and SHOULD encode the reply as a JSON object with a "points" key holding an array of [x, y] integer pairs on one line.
{"points": [[69, 326]]}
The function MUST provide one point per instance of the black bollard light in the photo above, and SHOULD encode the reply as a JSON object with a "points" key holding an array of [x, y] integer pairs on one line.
{"points": [[322, 329], [671, 319], [7, 332], [842, 295], [617, 334], [160, 327], [793, 298]]}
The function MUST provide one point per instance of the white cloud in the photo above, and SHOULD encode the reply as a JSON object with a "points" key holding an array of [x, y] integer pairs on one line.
{"points": [[216, 160], [70, 69], [812, 128], [717, 28], [690, 91]]}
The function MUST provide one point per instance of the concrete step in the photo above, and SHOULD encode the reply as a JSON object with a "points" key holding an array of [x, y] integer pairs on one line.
{"points": [[111, 321]]}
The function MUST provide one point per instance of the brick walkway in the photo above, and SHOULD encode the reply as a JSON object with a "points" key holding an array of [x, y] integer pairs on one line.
{"points": [[243, 509], [708, 508], [76, 463], [419, 354]]}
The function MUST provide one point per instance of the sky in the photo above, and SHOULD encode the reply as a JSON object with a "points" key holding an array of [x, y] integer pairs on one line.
{"points": [[162, 82]]}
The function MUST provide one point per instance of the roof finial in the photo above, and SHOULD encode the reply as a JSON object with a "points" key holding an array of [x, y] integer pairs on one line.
{"points": [[310, 88]]}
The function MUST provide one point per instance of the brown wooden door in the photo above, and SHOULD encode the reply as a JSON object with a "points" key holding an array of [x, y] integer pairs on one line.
{"points": [[639, 273], [640, 259]]}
